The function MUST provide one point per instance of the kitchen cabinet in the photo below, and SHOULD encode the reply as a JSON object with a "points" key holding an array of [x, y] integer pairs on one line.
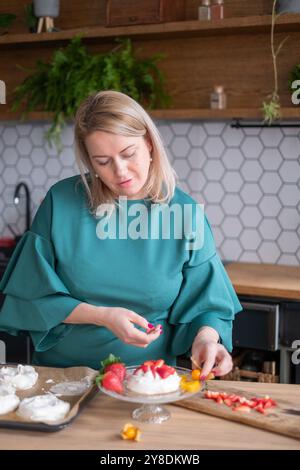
{"points": [[234, 52], [270, 321]]}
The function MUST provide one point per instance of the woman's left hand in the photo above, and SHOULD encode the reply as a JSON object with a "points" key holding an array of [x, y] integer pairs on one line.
{"points": [[210, 355]]}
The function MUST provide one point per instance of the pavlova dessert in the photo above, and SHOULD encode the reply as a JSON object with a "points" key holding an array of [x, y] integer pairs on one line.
{"points": [[150, 378], [154, 377]]}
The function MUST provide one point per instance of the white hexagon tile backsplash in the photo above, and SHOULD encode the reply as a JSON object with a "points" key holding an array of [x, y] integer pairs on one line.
{"points": [[248, 179]]}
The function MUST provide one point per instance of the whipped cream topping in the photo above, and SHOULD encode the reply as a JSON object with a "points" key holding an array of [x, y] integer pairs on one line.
{"points": [[146, 384], [8, 398], [21, 377], [43, 408]]}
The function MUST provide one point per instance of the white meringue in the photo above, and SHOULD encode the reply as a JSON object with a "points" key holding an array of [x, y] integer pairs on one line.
{"points": [[21, 377], [8, 398], [43, 408]]}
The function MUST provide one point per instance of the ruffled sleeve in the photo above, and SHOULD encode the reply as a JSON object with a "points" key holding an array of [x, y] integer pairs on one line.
{"points": [[206, 298], [36, 300]]}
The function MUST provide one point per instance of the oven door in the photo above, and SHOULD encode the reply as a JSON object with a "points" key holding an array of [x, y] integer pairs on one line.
{"points": [[257, 326]]}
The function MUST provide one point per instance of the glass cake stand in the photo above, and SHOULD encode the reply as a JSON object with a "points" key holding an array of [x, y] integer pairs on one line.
{"points": [[152, 409]]}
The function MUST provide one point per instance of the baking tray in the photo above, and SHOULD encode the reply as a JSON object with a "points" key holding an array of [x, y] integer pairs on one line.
{"points": [[77, 402]]}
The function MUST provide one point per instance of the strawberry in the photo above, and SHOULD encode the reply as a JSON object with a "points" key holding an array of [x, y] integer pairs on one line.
{"points": [[117, 368], [242, 408], [159, 363], [111, 373], [164, 371], [112, 382], [228, 402], [148, 363], [153, 370]]}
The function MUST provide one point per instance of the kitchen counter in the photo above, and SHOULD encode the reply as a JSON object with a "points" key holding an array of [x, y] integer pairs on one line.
{"points": [[265, 280], [98, 427]]}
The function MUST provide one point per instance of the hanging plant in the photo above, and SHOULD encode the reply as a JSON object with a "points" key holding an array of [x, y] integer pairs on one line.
{"points": [[60, 86], [272, 108]]}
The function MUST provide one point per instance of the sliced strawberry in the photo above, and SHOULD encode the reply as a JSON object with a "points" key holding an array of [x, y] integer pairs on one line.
{"points": [[242, 408], [112, 382], [164, 371], [260, 408], [153, 369], [148, 363], [159, 363], [268, 404], [219, 400], [118, 368], [228, 402]]}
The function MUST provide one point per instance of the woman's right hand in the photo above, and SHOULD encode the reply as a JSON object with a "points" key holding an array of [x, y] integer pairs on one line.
{"points": [[122, 321]]}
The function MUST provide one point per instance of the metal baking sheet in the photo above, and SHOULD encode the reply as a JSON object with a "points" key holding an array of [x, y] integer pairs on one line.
{"points": [[56, 375]]}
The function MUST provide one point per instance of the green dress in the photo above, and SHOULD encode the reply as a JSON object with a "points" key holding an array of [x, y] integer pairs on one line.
{"points": [[61, 262]]}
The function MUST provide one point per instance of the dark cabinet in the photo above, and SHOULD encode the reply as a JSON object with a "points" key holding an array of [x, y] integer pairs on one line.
{"points": [[270, 325], [257, 326], [289, 323], [16, 349], [12, 348]]}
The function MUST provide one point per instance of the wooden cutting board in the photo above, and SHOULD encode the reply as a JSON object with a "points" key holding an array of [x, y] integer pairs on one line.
{"points": [[283, 419]]}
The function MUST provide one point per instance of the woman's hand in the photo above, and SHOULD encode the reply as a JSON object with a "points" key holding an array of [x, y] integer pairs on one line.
{"points": [[122, 321], [209, 354], [119, 320]]}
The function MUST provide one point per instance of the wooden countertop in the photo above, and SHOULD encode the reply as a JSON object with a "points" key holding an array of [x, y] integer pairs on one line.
{"points": [[266, 280], [99, 424]]}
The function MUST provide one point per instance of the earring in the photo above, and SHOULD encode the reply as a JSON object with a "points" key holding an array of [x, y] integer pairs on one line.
{"points": [[151, 159], [96, 176]]}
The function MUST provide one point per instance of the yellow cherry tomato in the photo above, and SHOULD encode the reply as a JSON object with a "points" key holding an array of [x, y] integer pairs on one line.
{"points": [[190, 386], [196, 374], [131, 432]]}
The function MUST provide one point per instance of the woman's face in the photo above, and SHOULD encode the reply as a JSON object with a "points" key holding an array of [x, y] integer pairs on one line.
{"points": [[122, 163]]}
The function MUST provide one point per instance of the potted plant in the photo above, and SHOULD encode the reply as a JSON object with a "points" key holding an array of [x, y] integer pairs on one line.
{"points": [[271, 108], [288, 6], [59, 87], [30, 18], [44, 8], [6, 19]]}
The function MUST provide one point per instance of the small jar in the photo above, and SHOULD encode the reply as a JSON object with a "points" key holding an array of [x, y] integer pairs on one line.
{"points": [[217, 10], [218, 99], [204, 11]]}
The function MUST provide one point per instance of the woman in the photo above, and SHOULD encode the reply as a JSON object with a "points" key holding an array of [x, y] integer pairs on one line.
{"points": [[83, 292]]}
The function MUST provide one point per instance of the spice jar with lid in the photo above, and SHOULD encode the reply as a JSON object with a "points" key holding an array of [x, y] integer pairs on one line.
{"points": [[218, 99], [204, 11], [217, 10]]}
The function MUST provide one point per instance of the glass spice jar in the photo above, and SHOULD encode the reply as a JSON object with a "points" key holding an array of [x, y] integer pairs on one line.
{"points": [[217, 10], [218, 99], [204, 11]]}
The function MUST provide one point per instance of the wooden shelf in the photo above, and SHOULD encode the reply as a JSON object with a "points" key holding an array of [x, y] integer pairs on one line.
{"points": [[228, 26], [212, 114], [176, 114]]}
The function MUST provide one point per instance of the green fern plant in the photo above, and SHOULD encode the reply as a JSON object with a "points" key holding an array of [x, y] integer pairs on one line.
{"points": [[61, 85]]}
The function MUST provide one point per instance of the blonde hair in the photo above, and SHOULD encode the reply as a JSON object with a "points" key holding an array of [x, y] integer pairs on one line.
{"points": [[117, 113]]}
